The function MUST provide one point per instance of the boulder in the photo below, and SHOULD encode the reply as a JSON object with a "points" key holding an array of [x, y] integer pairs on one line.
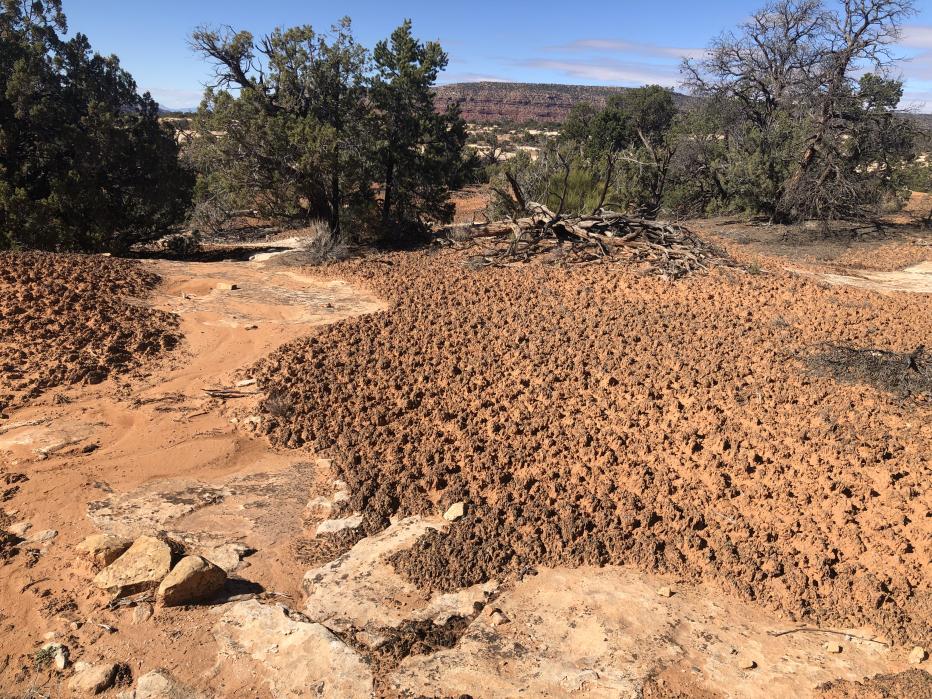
{"points": [[103, 549], [93, 679], [141, 568], [194, 579]]}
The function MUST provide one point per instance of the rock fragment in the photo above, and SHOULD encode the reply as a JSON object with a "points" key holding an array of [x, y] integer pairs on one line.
{"points": [[745, 663], [159, 684], [43, 537], [58, 654], [93, 679], [227, 286], [497, 618], [142, 567], [665, 591], [19, 529], [295, 655], [832, 647], [455, 512], [142, 613], [917, 655], [227, 556], [194, 579]]}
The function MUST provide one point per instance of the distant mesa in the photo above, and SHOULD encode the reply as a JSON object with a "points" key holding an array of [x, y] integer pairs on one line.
{"points": [[494, 102]]}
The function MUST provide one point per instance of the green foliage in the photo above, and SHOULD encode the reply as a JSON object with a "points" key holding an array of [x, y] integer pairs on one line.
{"points": [[807, 130], [618, 156], [318, 127], [419, 152], [84, 162], [292, 144]]}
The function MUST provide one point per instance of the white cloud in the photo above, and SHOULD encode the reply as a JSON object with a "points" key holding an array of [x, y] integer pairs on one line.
{"points": [[610, 71], [634, 47], [917, 36], [471, 78]]}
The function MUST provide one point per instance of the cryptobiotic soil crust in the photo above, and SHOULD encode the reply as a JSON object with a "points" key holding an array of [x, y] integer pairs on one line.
{"points": [[590, 415], [584, 416]]}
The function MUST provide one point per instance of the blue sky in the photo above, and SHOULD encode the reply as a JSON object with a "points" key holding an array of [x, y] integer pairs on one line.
{"points": [[598, 42]]}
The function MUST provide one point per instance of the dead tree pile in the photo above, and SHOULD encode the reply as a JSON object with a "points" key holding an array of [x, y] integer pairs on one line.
{"points": [[535, 231]]}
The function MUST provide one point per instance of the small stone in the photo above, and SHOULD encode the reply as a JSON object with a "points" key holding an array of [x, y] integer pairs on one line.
{"points": [[194, 579], [144, 565], [227, 556], [319, 506], [227, 286], [252, 327], [142, 613], [665, 591], [43, 536], [832, 647], [93, 679], [59, 654], [19, 529], [103, 549], [746, 664], [917, 655], [158, 684], [456, 511], [332, 526], [51, 635], [498, 618], [245, 382]]}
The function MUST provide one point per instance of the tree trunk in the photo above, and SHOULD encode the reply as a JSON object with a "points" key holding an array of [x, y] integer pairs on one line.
{"points": [[389, 193], [335, 199]]}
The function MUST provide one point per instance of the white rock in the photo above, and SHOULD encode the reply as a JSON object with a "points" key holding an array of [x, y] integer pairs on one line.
{"points": [[103, 549], [226, 556], [159, 684], [194, 579], [917, 655], [665, 591], [19, 529], [59, 654], [142, 613], [227, 286], [43, 536], [332, 526], [141, 568], [93, 679], [456, 511], [296, 658], [832, 647], [746, 663], [362, 590]]}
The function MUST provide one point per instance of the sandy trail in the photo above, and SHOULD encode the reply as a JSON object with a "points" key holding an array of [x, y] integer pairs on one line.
{"points": [[161, 435], [170, 458]]}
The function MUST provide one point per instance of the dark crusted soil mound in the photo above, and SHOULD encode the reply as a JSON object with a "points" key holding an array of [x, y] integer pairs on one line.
{"points": [[593, 416], [64, 319], [911, 684]]}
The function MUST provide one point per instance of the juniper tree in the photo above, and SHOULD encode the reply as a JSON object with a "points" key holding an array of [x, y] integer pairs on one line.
{"points": [[84, 162]]}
